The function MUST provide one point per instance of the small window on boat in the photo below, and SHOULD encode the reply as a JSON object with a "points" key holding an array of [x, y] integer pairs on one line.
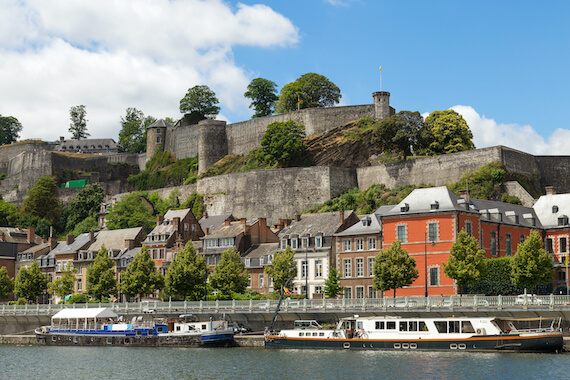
{"points": [[177, 328], [203, 327], [403, 326], [321, 334], [139, 332], [441, 326], [315, 334], [391, 325], [379, 325], [301, 334], [359, 325], [413, 326], [467, 327], [453, 327], [423, 326]]}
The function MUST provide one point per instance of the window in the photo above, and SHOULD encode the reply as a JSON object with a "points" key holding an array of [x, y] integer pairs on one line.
{"points": [[248, 262], [79, 285], [270, 281], [161, 255], [359, 268], [371, 261], [348, 293], [158, 139], [318, 289], [283, 243], [434, 276], [469, 227], [549, 245], [563, 244], [293, 243], [522, 238], [305, 242], [371, 292], [347, 268], [346, 245], [304, 269], [187, 227], [401, 233], [432, 232], [79, 269], [318, 242], [359, 292], [261, 281], [318, 268], [379, 325], [493, 243], [508, 245], [371, 243], [359, 244], [249, 280]]}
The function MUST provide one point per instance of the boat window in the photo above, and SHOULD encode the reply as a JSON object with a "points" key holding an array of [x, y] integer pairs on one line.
{"points": [[391, 325], [441, 326], [321, 334], [301, 334], [315, 334], [467, 327], [413, 326], [203, 327], [359, 325], [453, 326], [379, 325], [423, 326], [403, 326]]}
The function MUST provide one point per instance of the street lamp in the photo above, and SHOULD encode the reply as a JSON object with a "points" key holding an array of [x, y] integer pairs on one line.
{"points": [[425, 260]]}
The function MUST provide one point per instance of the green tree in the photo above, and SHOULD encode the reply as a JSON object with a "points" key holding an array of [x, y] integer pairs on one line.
{"points": [[332, 284], [230, 275], [402, 131], [101, 281], [141, 276], [308, 91], [132, 135], [85, 204], [30, 282], [131, 211], [186, 274], [9, 213], [531, 265], [466, 262], [263, 95], [201, 102], [10, 129], [86, 225], [6, 283], [78, 126], [282, 142], [394, 268], [282, 268], [63, 285], [448, 132], [42, 200]]}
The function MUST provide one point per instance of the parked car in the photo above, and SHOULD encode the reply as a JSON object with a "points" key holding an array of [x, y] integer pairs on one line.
{"points": [[239, 328], [531, 299]]}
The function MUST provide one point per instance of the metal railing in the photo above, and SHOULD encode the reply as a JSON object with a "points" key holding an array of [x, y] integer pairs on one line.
{"points": [[431, 303]]}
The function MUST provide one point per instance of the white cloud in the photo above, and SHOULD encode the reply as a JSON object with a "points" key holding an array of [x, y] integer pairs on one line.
{"points": [[110, 55]]}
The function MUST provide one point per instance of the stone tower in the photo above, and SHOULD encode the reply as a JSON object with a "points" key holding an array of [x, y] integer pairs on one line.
{"points": [[382, 105], [156, 136], [212, 143]]}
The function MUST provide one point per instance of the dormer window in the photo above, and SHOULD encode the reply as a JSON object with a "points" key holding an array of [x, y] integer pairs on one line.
{"points": [[434, 205], [293, 243], [554, 209], [318, 242], [283, 243], [247, 262], [405, 207], [366, 222], [563, 220]]}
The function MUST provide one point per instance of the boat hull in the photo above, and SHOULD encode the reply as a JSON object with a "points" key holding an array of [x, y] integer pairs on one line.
{"points": [[535, 343]]}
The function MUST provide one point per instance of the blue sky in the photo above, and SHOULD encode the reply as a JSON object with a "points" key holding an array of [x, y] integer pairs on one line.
{"points": [[502, 64]]}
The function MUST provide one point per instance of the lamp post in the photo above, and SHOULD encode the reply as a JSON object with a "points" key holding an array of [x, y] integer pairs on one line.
{"points": [[425, 263], [306, 273]]}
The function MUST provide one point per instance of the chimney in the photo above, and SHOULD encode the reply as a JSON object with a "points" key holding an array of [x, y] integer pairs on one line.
{"points": [[53, 242], [31, 235], [159, 220], [464, 193], [550, 190], [263, 222], [204, 215], [341, 216], [206, 231], [129, 243], [176, 222], [70, 239], [242, 220], [91, 236], [286, 222], [297, 217], [226, 222]]}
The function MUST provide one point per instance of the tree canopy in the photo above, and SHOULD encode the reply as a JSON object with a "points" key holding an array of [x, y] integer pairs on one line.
{"points": [[78, 126], [30, 282], [308, 91], [63, 285], [282, 142], [131, 211], [333, 286], [466, 262], [6, 283], [448, 132], [186, 274], [263, 95], [10, 129], [403, 131], [132, 135], [42, 200], [282, 268], [200, 101], [531, 265], [394, 268], [141, 276], [101, 281], [230, 275], [85, 204]]}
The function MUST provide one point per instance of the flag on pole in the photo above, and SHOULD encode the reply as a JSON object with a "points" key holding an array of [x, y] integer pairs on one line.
{"points": [[380, 68], [286, 290]]}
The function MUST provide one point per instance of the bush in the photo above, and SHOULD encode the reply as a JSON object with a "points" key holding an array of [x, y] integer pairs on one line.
{"points": [[78, 298]]}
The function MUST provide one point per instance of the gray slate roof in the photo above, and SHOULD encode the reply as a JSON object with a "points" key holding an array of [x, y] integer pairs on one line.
{"points": [[260, 250], [212, 222], [114, 239], [550, 207], [79, 243], [160, 123], [369, 224], [326, 223]]}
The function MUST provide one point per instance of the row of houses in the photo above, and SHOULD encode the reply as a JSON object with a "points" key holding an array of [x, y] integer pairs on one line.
{"points": [[426, 222]]}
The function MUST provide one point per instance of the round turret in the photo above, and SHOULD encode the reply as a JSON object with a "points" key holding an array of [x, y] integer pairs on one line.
{"points": [[156, 136], [381, 104], [212, 143]]}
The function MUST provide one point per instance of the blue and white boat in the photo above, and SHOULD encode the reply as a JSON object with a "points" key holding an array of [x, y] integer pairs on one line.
{"points": [[212, 332]]}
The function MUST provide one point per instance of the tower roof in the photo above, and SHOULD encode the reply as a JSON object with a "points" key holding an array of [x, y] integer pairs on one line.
{"points": [[160, 123]]}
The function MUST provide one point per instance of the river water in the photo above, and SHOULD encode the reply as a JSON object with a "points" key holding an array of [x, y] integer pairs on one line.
{"points": [[40, 362]]}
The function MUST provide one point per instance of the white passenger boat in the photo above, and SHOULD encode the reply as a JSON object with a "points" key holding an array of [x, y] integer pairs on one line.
{"points": [[210, 332], [395, 333]]}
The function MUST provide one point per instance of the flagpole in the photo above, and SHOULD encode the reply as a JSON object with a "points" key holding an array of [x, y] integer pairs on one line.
{"points": [[380, 78]]}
